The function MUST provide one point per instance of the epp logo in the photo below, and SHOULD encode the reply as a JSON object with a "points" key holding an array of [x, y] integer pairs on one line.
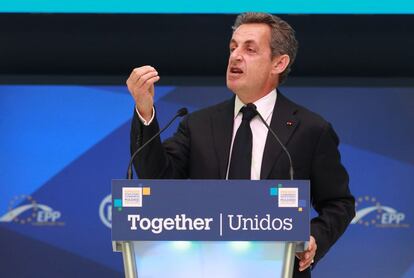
{"points": [[105, 211], [377, 215], [31, 212]]}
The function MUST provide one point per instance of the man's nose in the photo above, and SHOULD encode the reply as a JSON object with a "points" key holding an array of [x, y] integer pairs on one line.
{"points": [[235, 55]]}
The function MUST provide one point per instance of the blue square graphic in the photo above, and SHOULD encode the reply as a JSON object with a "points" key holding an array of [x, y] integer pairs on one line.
{"points": [[302, 203], [117, 203], [274, 191]]}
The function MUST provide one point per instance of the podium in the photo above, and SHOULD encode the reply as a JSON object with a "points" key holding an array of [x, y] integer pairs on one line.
{"points": [[209, 228]]}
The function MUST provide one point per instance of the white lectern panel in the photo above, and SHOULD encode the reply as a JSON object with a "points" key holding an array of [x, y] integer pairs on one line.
{"points": [[185, 259]]}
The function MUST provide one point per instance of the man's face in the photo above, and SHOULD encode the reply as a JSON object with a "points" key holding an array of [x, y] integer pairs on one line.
{"points": [[249, 70]]}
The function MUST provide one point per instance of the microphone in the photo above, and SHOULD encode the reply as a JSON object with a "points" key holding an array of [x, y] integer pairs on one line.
{"points": [[180, 113], [291, 173]]}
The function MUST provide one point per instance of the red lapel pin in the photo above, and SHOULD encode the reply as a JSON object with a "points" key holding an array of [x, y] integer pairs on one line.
{"points": [[289, 123]]}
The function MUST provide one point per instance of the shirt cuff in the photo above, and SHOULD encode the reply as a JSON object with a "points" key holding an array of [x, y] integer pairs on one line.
{"points": [[142, 119]]}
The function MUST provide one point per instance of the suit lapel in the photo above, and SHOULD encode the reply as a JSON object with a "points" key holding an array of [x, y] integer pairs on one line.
{"points": [[222, 126], [283, 123]]}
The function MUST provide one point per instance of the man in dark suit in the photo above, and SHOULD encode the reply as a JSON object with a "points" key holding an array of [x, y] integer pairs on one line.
{"points": [[262, 49]]}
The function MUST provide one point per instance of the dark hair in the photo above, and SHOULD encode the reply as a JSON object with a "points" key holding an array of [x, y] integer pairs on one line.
{"points": [[282, 40]]}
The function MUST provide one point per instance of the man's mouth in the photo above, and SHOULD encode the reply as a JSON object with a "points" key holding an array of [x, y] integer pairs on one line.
{"points": [[236, 70]]}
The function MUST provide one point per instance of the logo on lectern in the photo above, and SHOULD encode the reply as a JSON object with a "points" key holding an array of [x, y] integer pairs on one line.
{"points": [[131, 197], [288, 197]]}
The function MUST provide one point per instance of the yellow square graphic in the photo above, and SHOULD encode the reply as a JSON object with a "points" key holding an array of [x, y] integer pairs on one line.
{"points": [[146, 191], [299, 209]]}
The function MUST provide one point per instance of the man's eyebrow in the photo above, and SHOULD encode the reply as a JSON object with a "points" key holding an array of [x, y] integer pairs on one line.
{"points": [[250, 42], [232, 41]]}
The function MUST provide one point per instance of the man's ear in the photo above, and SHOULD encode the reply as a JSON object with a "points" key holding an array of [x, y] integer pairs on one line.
{"points": [[280, 63]]}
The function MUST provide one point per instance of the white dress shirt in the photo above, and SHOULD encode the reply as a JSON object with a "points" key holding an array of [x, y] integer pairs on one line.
{"points": [[265, 107]]}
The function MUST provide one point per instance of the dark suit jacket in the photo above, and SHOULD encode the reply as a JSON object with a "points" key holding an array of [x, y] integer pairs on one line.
{"points": [[200, 150]]}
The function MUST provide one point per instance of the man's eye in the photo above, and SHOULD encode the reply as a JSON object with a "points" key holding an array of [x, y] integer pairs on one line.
{"points": [[250, 50], [232, 49]]}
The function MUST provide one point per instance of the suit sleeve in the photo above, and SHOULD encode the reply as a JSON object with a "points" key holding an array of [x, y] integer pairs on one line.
{"points": [[330, 193], [168, 160]]}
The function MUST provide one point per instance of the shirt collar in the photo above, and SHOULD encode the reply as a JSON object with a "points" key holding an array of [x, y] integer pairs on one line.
{"points": [[264, 105]]}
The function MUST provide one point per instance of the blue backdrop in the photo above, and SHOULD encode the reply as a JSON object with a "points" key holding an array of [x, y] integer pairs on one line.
{"points": [[60, 147]]}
